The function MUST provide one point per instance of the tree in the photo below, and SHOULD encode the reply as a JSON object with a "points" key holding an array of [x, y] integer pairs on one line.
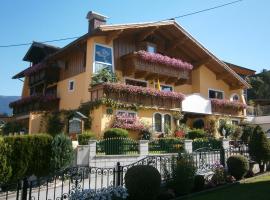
{"points": [[62, 152], [260, 85], [259, 147]]}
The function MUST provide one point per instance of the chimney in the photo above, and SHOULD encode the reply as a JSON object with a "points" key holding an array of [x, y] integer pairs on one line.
{"points": [[95, 20]]}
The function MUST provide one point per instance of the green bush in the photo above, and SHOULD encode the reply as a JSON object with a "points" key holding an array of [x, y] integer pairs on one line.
{"points": [[84, 138], [199, 182], [30, 154], [5, 168], [211, 143], [259, 147], [62, 152], [183, 175], [236, 133], [115, 133], [229, 128], [247, 133], [238, 166], [143, 182], [196, 133], [54, 124]]}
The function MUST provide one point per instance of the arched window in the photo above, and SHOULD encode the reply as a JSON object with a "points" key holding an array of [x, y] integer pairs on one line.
{"points": [[235, 97], [167, 122], [158, 122]]}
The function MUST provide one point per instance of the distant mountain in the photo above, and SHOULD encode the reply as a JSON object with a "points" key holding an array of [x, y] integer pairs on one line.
{"points": [[4, 103]]}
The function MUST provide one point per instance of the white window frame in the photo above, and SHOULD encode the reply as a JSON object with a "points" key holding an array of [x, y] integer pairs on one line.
{"points": [[70, 81], [223, 93], [162, 121], [94, 56], [134, 79], [168, 85], [231, 98]]}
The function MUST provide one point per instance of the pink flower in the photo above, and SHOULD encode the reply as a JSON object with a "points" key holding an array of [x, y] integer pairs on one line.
{"points": [[128, 122], [226, 104], [33, 99], [130, 89], [164, 60]]}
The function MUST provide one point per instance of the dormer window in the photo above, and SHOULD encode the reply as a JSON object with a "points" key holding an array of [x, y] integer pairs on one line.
{"points": [[151, 48]]}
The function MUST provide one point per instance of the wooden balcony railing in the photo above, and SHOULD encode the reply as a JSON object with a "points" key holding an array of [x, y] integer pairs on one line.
{"points": [[35, 103], [129, 94], [227, 107], [150, 69]]}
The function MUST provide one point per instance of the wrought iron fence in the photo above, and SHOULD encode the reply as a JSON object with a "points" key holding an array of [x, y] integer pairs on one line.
{"points": [[237, 150], [166, 145], [63, 184], [117, 146]]}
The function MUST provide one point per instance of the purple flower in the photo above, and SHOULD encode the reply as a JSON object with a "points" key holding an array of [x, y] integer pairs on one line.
{"points": [[226, 104], [164, 60]]}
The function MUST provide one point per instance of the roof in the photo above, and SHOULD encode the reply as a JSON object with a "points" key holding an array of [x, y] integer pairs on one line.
{"points": [[241, 70], [172, 27]]}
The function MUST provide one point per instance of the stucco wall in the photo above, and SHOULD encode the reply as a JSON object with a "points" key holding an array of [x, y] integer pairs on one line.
{"points": [[36, 123]]}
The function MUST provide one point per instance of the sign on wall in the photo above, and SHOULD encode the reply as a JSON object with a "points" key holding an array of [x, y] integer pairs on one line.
{"points": [[75, 125]]}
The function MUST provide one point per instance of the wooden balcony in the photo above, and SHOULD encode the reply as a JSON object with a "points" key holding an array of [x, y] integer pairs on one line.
{"points": [[129, 94], [227, 107], [35, 103], [133, 64]]}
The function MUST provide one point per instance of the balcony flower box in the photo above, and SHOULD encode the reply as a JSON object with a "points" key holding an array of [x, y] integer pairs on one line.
{"points": [[227, 107], [156, 65], [128, 122]]}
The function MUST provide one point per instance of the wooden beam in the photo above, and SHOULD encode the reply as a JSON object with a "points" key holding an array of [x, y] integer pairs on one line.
{"points": [[151, 76], [144, 34], [173, 44], [201, 62], [140, 74], [222, 76], [111, 36], [170, 80]]}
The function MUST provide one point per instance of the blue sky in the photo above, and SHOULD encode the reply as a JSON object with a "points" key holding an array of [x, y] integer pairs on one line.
{"points": [[237, 33]]}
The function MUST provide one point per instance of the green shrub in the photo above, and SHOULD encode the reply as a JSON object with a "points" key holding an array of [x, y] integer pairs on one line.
{"points": [[238, 166], [227, 127], [211, 143], [247, 133], [54, 124], [62, 152], [199, 182], [5, 168], [196, 133], [259, 147], [236, 133], [183, 175], [115, 133], [84, 138], [30, 154], [142, 182]]}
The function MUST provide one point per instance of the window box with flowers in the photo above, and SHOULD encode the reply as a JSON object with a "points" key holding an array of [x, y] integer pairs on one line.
{"points": [[128, 120], [227, 107]]}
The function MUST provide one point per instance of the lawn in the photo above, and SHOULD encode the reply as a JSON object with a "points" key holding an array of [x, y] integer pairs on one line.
{"points": [[257, 188]]}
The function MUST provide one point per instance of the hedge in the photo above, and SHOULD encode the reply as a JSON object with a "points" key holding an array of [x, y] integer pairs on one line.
{"points": [[84, 138], [196, 133], [5, 168], [211, 143]]}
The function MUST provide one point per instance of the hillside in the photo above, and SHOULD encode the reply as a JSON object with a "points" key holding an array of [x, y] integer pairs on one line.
{"points": [[4, 102]]}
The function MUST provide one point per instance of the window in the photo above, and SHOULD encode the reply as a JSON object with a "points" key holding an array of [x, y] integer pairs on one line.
{"points": [[136, 82], [71, 85], [151, 48], [167, 88], [103, 58], [167, 122], [158, 122], [235, 97], [216, 94], [162, 122], [235, 122]]}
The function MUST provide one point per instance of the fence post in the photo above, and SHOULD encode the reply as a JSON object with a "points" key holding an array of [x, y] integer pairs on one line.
{"points": [[24, 189], [118, 175], [188, 146], [224, 148], [143, 147], [92, 149]]}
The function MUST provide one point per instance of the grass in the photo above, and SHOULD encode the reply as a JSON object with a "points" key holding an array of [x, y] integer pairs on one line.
{"points": [[257, 188]]}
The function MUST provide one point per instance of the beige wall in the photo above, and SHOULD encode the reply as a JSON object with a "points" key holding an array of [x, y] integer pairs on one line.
{"points": [[36, 123]]}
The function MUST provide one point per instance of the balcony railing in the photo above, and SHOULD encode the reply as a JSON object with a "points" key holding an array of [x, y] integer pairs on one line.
{"points": [[258, 110], [35, 103], [222, 106], [156, 66], [129, 94]]}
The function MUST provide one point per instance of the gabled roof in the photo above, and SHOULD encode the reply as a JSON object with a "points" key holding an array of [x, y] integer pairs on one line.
{"points": [[241, 70]]}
